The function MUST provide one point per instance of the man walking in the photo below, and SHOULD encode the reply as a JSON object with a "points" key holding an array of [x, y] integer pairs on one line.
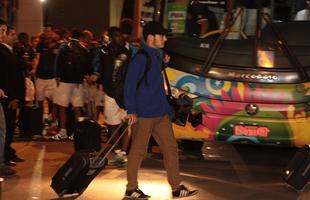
{"points": [[72, 64], [45, 81], [110, 63], [148, 110]]}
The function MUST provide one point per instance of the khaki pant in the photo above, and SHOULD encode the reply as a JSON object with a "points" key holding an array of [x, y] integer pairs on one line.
{"points": [[161, 129]]}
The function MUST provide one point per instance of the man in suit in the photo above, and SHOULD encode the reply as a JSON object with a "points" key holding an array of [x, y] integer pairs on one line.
{"points": [[14, 86], [4, 169]]}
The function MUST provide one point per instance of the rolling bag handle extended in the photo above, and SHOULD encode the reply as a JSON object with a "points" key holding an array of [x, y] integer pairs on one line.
{"points": [[97, 161]]}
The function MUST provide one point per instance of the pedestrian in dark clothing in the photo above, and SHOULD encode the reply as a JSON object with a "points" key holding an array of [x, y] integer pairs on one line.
{"points": [[34, 41], [47, 48], [72, 64], [14, 87], [200, 19], [25, 52], [148, 110], [45, 82], [4, 169], [111, 60]]}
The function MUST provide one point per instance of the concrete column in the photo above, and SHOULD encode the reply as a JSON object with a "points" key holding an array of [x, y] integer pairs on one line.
{"points": [[116, 7], [30, 16]]}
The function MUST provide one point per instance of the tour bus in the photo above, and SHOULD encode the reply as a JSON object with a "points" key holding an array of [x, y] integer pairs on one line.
{"points": [[241, 90]]}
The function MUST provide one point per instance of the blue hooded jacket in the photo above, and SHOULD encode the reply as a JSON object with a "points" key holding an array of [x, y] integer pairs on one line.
{"points": [[149, 99]]}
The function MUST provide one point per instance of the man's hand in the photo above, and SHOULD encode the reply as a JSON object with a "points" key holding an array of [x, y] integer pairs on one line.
{"points": [[2, 94], [93, 77], [32, 72], [166, 59], [13, 104], [132, 119]]}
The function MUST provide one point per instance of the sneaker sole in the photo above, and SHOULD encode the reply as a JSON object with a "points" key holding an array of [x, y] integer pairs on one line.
{"points": [[190, 195], [59, 140], [129, 197]]}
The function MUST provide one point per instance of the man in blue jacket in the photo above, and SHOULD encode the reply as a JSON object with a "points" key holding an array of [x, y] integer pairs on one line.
{"points": [[148, 109]]}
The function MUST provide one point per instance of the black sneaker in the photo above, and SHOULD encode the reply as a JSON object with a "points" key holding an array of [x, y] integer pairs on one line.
{"points": [[6, 171], [182, 191], [16, 159], [136, 194]]}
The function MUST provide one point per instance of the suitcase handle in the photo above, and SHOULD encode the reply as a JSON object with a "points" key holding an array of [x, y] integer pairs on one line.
{"points": [[115, 132], [99, 154]]}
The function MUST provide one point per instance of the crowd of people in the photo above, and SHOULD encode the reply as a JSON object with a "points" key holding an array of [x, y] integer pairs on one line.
{"points": [[69, 74]]}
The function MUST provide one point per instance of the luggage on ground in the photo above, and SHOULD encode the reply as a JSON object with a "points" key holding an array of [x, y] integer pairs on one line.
{"points": [[87, 135], [82, 167], [297, 173], [30, 120]]}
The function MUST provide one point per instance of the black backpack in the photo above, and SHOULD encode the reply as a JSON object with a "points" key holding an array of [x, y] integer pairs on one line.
{"points": [[120, 80], [76, 62]]}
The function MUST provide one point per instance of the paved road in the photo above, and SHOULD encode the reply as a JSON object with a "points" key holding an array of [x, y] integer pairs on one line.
{"points": [[231, 172]]}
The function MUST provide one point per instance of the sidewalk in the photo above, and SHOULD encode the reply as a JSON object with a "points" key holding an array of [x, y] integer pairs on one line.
{"points": [[215, 179], [33, 177]]}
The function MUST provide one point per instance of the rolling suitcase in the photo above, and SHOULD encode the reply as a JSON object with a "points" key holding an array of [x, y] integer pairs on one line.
{"points": [[87, 135], [30, 120], [30, 115], [297, 173], [82, 167]]}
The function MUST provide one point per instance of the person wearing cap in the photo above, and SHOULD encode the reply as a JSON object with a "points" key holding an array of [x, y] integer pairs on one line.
{"points": [[148, 110]]}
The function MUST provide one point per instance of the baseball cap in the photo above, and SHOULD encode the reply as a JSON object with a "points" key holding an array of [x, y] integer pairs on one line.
{"points": [[153, 28]]}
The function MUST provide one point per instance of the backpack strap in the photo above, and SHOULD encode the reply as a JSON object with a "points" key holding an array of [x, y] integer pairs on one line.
{"points": [[148, 66]]}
